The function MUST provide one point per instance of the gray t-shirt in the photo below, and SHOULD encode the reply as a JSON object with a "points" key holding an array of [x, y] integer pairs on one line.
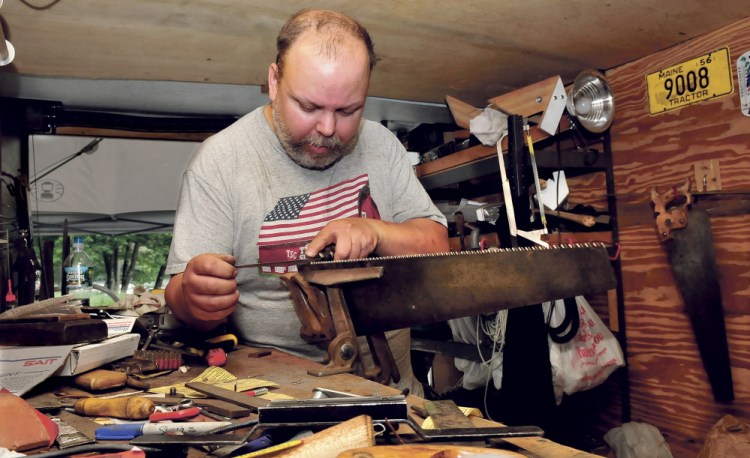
{"points": [[242, 194]]}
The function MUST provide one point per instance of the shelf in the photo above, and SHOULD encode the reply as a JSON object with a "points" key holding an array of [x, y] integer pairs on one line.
{"points": [[481, 160], [474, 173]]}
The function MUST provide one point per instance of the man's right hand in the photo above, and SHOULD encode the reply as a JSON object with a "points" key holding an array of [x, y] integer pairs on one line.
{"points": [[206, 292]]}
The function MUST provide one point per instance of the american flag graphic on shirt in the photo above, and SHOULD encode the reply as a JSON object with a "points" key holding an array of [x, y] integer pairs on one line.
{"points": [[295, 220]]}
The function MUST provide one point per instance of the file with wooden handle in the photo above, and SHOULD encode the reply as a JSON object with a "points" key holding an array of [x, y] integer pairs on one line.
{"points": [[133, 408], [101, 379]]}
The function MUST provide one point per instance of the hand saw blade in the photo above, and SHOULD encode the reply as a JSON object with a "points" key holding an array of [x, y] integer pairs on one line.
{"points": [[418, 290], [693, 260]]}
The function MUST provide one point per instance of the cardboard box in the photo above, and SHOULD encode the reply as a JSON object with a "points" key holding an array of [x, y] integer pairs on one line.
{"points": [[23, 368], [90, 356]]}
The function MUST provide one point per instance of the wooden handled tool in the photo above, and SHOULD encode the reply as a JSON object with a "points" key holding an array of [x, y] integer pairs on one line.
{"points": [[101, 379], [585, 220], [133, 408]]}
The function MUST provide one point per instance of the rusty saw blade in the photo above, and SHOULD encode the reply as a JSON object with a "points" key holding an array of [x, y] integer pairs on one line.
{"points": [[423, 289], [691, 255]]}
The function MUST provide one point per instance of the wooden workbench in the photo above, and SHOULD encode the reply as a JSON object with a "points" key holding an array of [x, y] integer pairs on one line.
{"points": [[290, 373]]}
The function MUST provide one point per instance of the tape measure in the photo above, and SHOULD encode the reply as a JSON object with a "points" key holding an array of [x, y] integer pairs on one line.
{"points": [[272, 449]]}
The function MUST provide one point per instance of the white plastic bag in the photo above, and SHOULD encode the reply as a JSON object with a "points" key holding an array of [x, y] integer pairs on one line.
{"points": [[586, 360], [489, 126], [467, 330], [637, 440]]}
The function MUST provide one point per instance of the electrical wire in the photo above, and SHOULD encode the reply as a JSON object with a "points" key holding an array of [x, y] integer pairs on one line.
{"points": [[495, 330], [88, 149], [39, 8]]}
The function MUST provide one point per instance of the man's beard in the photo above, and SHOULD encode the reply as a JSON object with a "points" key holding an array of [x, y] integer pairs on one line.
{"points": [[296, 148]]}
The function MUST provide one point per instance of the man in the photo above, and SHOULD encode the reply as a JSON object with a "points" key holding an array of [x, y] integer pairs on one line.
{"points": [[288, 180]]}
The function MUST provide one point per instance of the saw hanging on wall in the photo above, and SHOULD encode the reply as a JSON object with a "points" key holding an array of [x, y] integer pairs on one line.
{"points": [[686, 233]]}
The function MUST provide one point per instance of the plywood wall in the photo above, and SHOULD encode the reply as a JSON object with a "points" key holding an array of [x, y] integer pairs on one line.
{"points": [[669, 386]]}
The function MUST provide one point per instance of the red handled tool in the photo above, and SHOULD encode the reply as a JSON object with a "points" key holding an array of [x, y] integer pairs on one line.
{"points": [[257, 392], [175, 415], [216, 357]]}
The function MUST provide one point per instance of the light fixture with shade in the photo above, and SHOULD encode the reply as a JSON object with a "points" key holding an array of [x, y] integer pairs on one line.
{"points": [[590, 101], [537, 111]]}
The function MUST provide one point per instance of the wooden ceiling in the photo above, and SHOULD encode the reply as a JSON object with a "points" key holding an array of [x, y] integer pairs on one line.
{"points": [[472, 50]]}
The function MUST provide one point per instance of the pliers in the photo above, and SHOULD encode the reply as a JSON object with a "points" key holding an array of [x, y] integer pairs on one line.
{"points": [[183, 411]]}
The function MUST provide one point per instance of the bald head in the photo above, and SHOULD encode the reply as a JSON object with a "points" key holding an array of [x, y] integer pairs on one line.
{"points": [[335, 30]]}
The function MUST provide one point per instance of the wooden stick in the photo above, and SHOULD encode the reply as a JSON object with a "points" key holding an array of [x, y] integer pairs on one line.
{"points": [[585, 220]]}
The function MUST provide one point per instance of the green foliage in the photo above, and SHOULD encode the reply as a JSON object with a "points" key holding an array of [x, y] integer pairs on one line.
{"points": [[152, 254]]}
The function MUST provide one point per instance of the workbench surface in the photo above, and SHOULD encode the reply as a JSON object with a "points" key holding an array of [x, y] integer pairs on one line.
{"points": [[290, 373]]}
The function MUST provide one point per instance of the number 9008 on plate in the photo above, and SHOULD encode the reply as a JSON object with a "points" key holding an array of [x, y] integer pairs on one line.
{"points": [[697, 80]]}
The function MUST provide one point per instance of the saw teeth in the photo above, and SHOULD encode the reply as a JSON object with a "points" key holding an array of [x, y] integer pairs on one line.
{"points": [[465, 253]]}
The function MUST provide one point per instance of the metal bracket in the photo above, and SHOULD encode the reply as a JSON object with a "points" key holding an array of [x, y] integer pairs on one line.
{"points": [[321, 307], [382, 409], [707, 175]]}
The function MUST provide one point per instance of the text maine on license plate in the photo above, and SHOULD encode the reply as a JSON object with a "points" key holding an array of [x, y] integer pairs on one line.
{"points": [[693, 81]]}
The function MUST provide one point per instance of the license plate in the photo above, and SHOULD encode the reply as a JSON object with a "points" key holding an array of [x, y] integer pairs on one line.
{"points": [[697, 80]]}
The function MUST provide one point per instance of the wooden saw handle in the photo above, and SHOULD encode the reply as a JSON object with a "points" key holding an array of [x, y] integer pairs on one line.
{"points": [[585, 220], [133, 408], [101, 379]]}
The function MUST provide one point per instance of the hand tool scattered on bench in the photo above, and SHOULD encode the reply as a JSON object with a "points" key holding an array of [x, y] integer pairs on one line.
{"points": [[132, 408], [103, 379], [215, 406], [128, 431], [239, 398], [382, 409], [174, 414]]}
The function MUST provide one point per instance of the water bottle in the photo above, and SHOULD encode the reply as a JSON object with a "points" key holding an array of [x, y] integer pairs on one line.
{"points": [[78, 272]]}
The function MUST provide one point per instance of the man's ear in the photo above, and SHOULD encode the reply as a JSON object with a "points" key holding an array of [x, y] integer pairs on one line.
{"points": [[273, 81]]}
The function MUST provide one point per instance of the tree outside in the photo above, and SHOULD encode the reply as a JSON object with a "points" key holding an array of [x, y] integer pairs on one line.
{"points": [[119, 262]]}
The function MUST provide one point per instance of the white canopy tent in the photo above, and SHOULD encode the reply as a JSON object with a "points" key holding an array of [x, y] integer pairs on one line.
{"points": [[112, 186]]}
